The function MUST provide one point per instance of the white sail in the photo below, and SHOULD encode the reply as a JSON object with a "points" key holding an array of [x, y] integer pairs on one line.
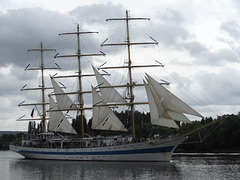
{"points": [[103, 117], [177, 116], [57, 121], [63, 101], [157, 111], [169, 100], [108, 94], [165, 122]]}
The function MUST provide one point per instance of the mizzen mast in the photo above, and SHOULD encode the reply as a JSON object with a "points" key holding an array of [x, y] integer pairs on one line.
{"points": [[41, 87], [128, 43], [78, 55]]}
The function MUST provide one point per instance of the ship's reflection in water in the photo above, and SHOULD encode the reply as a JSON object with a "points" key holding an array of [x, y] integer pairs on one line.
{"points": [[12, 166], [42, 169]]}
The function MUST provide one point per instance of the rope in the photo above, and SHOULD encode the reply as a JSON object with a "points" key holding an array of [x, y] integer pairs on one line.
{"points": [[201, 128], [208, 134]]}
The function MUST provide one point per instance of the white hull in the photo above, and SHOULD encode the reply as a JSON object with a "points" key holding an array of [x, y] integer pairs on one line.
{"points": [[159, 150]]}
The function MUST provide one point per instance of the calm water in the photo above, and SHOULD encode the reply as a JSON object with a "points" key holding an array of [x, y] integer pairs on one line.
{"points": [[212, 167]]}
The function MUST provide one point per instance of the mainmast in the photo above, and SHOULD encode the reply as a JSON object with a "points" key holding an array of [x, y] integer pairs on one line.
{"points": [[130, 77], [128, 43], [41, 87], [80, 75]]}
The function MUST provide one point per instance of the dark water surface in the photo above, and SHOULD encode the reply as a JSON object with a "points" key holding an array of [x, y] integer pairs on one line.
{"points": [[188, 166]]}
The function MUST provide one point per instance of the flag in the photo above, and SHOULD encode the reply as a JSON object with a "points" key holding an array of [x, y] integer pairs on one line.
{"points": [[32, 113]]}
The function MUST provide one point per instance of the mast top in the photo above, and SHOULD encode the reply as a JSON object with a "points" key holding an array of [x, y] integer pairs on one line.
{"points": [[78, 32], [127, 18]]}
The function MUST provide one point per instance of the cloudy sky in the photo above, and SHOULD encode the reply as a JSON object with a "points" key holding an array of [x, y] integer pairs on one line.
{"points": [[198, 44]]}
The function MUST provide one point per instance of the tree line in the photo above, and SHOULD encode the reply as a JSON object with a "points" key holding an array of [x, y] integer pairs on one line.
{"points": [[222, 135], [6, 139]]}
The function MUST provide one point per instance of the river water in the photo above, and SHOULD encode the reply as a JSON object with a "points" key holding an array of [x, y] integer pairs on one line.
{"points": [[182, 166]]}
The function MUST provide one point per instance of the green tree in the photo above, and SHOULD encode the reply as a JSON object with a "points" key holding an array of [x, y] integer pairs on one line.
{"points": [[5, 140], [77, 124]]}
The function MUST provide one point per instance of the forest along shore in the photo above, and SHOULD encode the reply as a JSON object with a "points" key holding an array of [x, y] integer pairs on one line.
{"points": [[220, 138]]}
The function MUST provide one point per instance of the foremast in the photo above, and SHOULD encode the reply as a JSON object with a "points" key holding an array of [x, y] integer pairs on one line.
{"points": [[128, 43], [41, 87], [79, 56]]}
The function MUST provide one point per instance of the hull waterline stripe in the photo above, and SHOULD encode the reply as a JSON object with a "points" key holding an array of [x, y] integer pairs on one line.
{"points": [[138, 151]]}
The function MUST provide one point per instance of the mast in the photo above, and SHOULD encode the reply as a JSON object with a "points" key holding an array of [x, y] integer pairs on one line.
{"points": [[80, 83], [80, 75], [43, 92], [130, 78], [128, 43], [42, 87]]}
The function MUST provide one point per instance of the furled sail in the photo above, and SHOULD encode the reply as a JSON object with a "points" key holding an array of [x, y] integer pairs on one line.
{"points": [[63, 101], [166, 107], [108, 94], [103, 117], [57, 121]]}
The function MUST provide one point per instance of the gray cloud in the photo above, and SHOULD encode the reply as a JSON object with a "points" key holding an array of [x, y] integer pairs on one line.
{"points": [[204, 56], [232, 28], [172, 16], [172, 33], [9, 84], [22, 29], [221, 87], [170, 29], [185, 82], [97, 13], [21, 75], [195, 48]]}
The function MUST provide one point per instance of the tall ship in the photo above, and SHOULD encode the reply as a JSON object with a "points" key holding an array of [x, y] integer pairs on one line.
{"points": [[57, 140]]}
